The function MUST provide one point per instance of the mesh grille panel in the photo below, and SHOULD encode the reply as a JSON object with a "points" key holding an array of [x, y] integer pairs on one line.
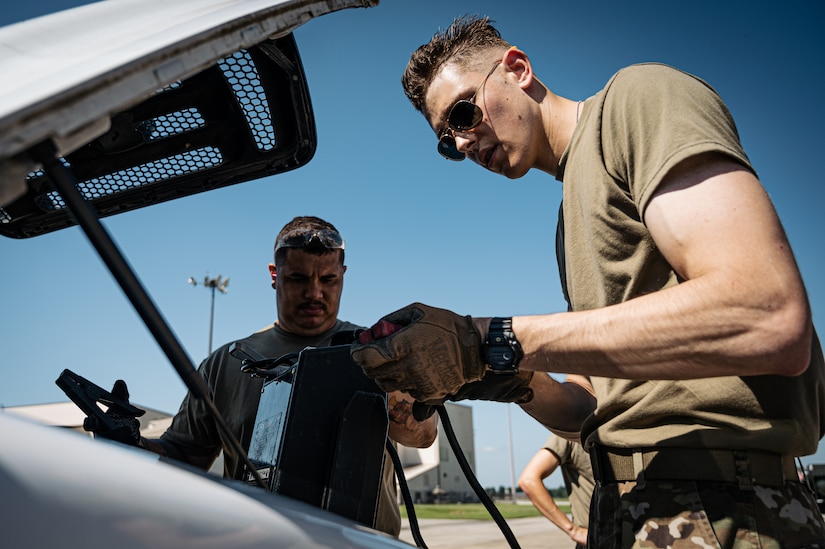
{"points": [[242, 75], [172, 124], [159, 170]]}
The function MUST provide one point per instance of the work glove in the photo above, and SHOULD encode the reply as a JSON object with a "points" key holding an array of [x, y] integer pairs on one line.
{"points": [[122, 427], [426, 352], [496, 387]]}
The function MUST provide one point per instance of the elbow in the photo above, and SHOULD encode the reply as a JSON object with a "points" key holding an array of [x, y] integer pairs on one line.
{"points": [[527, 485], [792, 342]]}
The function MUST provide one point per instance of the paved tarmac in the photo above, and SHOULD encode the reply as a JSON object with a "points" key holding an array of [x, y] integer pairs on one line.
{"points": [[530, 533]]}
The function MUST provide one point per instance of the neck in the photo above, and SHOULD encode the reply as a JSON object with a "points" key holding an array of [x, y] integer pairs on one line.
{"points": [[560, 116]]}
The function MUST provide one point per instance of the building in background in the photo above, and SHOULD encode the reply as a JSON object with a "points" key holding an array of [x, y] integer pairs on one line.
{"points": [[433, 474]]}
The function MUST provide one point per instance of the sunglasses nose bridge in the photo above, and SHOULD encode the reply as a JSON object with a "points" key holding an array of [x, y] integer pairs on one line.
{"points": [[465, 142]]}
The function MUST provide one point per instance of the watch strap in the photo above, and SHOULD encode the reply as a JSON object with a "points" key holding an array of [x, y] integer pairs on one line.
{"points": [[502, 349]]}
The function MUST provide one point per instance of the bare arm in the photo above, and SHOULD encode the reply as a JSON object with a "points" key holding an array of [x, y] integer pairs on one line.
{"points": [[531, 482], [404, 428], [741, 310], [561, 407]]}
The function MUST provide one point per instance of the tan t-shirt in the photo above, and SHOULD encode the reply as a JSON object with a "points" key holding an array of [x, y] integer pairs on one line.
{"points": [[578, 476], [645, 121]]}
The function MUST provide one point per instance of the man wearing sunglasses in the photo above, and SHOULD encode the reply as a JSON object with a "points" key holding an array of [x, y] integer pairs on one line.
{"points": [[708, 374], [308, 278]]}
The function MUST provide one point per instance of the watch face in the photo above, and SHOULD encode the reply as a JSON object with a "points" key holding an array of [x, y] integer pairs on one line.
{"points": [[501, 357]]}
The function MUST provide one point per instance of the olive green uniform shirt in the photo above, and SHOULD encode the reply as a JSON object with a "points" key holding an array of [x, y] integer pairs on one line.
{"points": [[643, 123]]}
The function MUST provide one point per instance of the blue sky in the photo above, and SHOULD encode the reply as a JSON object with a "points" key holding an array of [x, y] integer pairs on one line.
{"points": [[418, 228]]}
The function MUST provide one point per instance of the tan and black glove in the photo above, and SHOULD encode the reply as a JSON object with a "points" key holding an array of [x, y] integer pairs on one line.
{"points": [[427, 352], [433, 355]]}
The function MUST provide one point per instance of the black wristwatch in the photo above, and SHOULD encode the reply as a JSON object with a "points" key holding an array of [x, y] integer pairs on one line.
{"points": [[501, 348]]}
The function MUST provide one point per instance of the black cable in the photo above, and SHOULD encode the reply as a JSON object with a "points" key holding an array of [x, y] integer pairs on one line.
{"points": [[468, 473], [405, 494]]}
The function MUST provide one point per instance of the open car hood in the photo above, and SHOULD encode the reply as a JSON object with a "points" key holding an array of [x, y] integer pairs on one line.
{"points": [[151, 100]]}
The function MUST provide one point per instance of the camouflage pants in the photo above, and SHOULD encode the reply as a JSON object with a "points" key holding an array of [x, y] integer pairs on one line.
{"points": [[676, 515]]}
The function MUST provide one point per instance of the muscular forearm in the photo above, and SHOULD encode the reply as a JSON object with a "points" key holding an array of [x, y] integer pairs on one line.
{"points": [[696, 329]]}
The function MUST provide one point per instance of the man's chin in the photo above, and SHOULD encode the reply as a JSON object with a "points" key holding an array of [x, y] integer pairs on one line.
{"points": [[313, 326]]}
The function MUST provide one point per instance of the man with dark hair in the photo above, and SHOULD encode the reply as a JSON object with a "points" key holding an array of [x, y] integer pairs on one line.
{"points": [[687, 309], [308, 278]]}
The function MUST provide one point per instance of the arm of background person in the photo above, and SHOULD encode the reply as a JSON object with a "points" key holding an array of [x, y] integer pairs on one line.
{"points": [[741, 310], [404, 428], [561, 406], [531, 482]]}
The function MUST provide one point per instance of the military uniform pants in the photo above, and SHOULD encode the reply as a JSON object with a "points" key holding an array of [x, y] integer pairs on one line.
{"points": [[682, 514]]}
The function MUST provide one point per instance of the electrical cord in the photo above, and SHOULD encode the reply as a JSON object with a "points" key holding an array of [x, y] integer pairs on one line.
{"points": [[405, 495], [468, 473]]}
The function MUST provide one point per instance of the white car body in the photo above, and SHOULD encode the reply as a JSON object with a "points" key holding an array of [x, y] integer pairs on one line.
{"points": [[63, 489]]}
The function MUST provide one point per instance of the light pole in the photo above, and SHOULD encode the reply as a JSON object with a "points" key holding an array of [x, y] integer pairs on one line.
{"points": [[510, 446], [213, 284]]}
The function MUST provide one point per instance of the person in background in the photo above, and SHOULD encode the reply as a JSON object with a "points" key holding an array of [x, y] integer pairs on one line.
{"points": [[308, 278], [687, 310], [578, 481]]}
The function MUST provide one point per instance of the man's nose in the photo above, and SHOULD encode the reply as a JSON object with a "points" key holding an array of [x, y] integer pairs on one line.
{"points": [[314, 289], [466, 142]]}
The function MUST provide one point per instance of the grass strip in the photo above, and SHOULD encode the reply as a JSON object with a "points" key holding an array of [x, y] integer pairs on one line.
{"points": [[476, 511]]}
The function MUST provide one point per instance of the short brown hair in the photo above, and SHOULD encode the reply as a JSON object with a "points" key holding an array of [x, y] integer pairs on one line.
{"points": [[461, 43], [307, 224]]}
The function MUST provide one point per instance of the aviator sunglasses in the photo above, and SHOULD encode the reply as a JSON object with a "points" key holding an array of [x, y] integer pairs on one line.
{"points": [[463, 117]]}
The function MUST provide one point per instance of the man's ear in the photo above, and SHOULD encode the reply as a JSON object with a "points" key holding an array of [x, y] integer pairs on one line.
{"points": [[272, 274], [517, 62]]}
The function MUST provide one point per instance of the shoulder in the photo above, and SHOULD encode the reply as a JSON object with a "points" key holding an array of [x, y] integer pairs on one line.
{"points": [[652, 72], [219, 358], [646, 82]]}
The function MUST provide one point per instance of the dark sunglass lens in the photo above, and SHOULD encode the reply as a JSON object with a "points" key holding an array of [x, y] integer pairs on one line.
{"points": [[448, 149], [464, 115]]}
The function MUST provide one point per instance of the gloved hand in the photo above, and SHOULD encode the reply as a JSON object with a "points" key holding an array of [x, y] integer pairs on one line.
{"points": [[500, 388], [124, 428], [426, 352]]}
